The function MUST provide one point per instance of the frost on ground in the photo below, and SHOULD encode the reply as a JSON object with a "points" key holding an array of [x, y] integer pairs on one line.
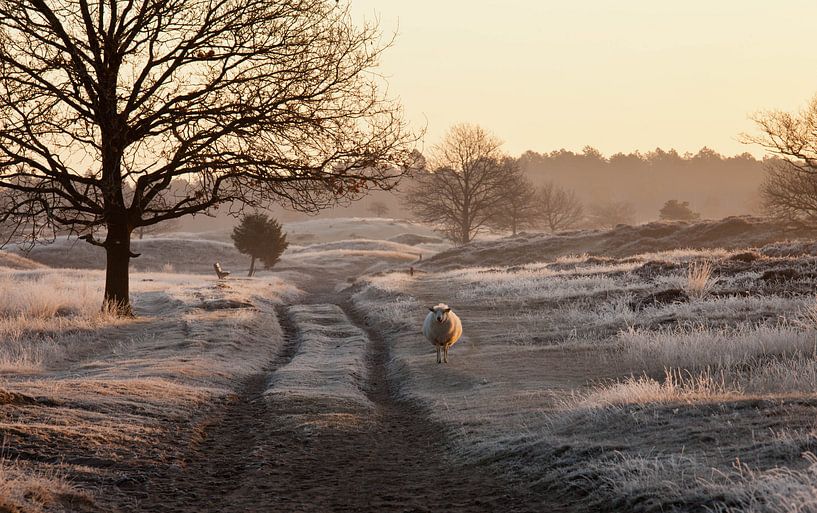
{"points": [[328, 373], [164, 253], [677, 380], [624, 240], [312, 242], [349, 255], [103, 399]]}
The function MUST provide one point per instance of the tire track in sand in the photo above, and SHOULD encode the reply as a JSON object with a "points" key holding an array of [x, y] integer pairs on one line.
{"points": [[329, 434]]}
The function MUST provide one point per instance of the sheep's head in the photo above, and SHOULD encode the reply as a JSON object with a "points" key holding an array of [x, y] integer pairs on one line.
{"points": [[440, 312]]}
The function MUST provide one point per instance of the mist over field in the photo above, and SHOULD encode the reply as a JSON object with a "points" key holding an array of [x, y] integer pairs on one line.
{"points": [[715, 185]]}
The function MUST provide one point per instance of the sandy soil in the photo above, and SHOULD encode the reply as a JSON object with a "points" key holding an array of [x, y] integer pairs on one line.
{"points": [[273, 452]]}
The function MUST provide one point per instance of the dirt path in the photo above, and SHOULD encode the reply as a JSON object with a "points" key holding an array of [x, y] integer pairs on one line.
{"points": [[264, 455]]}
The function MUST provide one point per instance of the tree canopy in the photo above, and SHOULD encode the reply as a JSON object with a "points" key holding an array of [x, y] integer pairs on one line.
{"points": [[674, 210], [261, 238], [466, 184]]}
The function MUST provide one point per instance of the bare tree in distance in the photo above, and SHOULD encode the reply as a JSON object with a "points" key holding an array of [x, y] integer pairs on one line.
{"points": [[520, 208], [466, 183], [249, 102], [558, 208], [789, 189], [379, 208], [611, 214]]}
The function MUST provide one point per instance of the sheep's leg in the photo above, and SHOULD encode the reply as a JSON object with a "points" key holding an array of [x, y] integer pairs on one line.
{"points": [[438, 354], [445, 354]]}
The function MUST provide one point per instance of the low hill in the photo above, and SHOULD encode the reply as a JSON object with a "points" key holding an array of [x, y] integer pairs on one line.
{"points": [[622, 241], [156, 254], [374, 228], [311, 242], [9, 260]]}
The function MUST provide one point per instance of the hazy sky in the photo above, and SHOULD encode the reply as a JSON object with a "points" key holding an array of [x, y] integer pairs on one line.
{"points": [[619, 75]]}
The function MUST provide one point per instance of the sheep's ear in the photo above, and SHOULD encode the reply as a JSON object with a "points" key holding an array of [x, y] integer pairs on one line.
{"points": [[447, 310], [430, 309]]}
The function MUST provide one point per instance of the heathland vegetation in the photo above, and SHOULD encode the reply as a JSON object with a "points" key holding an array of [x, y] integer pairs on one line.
{"points": [[605, 360]]}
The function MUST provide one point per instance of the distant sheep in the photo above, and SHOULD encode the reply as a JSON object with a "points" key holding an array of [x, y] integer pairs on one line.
{"points": [[442, 328]]}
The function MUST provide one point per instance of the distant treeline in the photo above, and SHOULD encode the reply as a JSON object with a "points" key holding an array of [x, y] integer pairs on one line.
{"points": [[714, 185]]}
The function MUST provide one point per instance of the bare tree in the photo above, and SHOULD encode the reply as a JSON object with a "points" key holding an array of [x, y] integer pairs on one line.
{"points": [[520, 208], [558, 208], [248, 101], [379, 208], [789, 189], [466, 184], [611, 214]]}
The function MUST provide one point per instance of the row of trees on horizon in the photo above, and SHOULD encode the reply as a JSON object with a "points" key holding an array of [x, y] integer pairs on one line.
{"points": [[563, 189], [624, 188], [469, 185]]}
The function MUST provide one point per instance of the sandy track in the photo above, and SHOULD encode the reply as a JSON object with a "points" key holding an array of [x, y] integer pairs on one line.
{"points": [[300, 455]]}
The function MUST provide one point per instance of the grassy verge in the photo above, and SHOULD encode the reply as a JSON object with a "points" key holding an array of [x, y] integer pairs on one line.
{"points": [[91, 401]]}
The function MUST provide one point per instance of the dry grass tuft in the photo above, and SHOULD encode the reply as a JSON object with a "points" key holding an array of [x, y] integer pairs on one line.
{"points": [[26, 492], [678, 385], [699, 282]]}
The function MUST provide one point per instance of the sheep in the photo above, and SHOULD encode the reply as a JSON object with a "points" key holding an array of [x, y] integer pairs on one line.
{"points": [[442, 328]]}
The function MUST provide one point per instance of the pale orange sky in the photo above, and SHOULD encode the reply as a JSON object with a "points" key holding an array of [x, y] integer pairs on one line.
{"points": [[618, 75]]}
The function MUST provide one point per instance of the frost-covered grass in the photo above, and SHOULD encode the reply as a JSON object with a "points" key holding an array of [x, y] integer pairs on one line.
{"points": [[698, 346], [330, 365], [564, 378], [86, 385], [676, 386], [38, 492], [544, 286], [687, 255], [47, 316], [679, 482], [46, 313], [47, 294]]}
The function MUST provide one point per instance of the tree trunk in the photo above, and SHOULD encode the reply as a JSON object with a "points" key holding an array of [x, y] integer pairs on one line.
{"points": [[117, 247], [252, 267]]}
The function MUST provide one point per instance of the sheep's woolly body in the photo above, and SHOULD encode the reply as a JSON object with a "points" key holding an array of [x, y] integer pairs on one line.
{"points": [[442, 334]]}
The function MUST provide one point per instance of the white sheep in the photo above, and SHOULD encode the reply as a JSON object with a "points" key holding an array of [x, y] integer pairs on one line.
{"points": [[442, 328]]}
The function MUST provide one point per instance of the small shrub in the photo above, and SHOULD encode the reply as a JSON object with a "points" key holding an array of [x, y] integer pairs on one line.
{"points": [[780, 275], [663, 297], [746, 257]]}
